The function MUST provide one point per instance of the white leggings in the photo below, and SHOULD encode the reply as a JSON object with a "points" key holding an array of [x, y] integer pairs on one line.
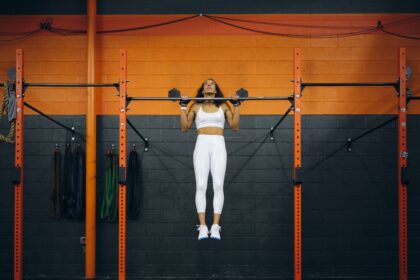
{"points": [[210, 155]]}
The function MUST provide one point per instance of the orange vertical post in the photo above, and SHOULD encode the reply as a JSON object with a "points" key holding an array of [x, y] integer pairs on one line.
{"points": [[122, 164], [402, 164], [18, 181], [90, 257], [297, 167]]}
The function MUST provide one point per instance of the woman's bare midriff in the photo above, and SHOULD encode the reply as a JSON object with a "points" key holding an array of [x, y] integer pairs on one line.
{"points": [[210, 131]]}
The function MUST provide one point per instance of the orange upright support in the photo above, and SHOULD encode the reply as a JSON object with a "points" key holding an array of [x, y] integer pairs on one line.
{"points": [[297, 167], [18, 180], [122, 212], [402, 165], [90, 257]]}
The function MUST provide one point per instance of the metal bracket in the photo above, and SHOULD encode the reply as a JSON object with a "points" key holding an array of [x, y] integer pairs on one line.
{"points": [[127, 102], [117, 86], [273, 128], [302, 86], [397, 86], [145, 139], [24, 87]]}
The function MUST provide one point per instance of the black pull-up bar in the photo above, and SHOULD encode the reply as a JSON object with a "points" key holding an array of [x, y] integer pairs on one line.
{"points": [[25, 85], [349, 85], [116, 85], [204, 99]]}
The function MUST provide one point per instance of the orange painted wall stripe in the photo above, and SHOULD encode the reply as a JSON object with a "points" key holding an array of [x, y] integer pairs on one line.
{"points": [[183, 58]]}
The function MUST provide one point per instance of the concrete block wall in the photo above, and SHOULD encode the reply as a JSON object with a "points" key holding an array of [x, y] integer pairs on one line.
{"points": [[350, 226]]}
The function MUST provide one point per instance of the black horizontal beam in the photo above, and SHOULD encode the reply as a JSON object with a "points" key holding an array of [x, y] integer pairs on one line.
{"points": [[70, 85], [201, 98], [349, 84]]}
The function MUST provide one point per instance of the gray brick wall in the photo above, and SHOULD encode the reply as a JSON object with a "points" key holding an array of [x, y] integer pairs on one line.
{"points": [[349, 208]]}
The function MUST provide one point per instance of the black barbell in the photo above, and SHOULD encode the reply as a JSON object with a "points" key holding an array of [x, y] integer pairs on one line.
{"points": [[175, 95]]}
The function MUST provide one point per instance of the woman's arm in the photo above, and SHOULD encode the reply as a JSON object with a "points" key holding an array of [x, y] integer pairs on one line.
{"points": [[187, 118], [232, 118]]}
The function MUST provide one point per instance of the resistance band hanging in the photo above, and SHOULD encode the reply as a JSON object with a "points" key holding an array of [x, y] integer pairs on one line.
{"points": [[109, 199], [56, 206], [134, 184], [74, 182], [79, 181], [68, 197]]}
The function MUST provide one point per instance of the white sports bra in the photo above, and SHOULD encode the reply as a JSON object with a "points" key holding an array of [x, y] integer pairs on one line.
{"points": [[216, 119]]}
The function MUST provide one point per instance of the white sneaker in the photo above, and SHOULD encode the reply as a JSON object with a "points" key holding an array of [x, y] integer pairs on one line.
{"points": [[203, 232], [215, 232]]}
